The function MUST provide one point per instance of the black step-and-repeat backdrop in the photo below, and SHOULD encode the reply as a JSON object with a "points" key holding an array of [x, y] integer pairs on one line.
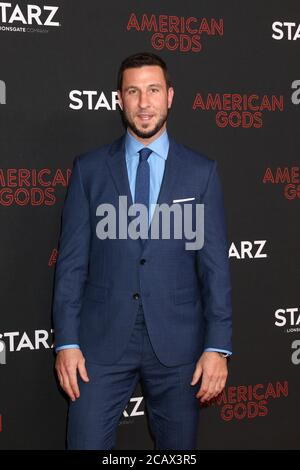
{"points": [[235, 67]]}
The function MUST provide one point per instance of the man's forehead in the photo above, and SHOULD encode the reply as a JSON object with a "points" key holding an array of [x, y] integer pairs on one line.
{"points": [[144, 73]]}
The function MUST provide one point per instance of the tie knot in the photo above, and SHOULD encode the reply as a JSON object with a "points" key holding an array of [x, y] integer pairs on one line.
{"points": [[144, 154]]}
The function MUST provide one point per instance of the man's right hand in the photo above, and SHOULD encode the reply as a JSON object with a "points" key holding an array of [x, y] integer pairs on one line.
{"points": [[66, 365]]}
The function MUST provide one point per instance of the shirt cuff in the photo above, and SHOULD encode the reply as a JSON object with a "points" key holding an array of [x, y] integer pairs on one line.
{"points": [[68, 346], [218, 350]]}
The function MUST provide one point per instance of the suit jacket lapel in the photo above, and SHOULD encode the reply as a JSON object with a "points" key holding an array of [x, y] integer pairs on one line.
{"points": [[117, 165], [172, 172]]}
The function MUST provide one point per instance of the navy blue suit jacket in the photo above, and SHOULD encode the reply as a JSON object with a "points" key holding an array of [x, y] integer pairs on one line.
{"points": [[186, 294]]}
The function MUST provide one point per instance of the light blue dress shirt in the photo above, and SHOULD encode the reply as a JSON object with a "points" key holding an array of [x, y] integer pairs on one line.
{"points": [[157, 160]]}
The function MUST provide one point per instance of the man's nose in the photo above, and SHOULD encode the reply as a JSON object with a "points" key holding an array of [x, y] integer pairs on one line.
{"points": [[143, 100]]}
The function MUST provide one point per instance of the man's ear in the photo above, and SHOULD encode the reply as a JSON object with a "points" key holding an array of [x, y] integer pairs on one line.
{"points": [[120, 99], [170, 96]]}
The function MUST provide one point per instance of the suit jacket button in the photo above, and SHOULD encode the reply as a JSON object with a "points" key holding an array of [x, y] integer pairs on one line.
{"points": [[136, 296], [142, 261]]}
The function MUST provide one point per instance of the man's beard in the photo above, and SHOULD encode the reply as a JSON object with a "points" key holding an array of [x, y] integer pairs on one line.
{"points": [[144, 134]]}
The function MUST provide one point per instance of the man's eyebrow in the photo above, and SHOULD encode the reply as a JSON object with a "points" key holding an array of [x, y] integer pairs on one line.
{"points": [[149, 86]]}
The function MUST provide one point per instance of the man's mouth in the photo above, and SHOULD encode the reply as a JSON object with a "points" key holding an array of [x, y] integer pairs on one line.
{"points": [[145, 117]]}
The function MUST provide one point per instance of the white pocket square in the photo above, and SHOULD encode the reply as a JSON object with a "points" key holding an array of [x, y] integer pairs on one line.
{"points": [[184, 200]]}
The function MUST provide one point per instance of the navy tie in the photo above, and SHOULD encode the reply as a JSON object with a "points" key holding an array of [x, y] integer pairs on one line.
{"points": [[142, 182]]}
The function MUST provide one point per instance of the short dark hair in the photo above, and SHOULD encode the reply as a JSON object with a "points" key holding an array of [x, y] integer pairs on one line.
{"points": [[139, 60]]}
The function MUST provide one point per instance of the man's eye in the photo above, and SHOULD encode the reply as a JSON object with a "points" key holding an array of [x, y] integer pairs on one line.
{"points": [[131, 92], [154, 90]]}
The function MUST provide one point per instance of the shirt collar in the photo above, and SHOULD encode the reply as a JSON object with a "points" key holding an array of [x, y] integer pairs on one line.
{"points": [[159, 146]]}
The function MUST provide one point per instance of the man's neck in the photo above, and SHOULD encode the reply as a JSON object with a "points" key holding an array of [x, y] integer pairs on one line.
{"points": [[146, 142]]}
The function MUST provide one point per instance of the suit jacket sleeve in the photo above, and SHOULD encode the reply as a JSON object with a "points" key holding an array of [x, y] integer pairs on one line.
{"points": [[72, 263], [213, 268]]}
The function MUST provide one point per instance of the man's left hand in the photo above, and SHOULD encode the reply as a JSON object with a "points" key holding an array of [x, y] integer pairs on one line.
{"points": [[212, 367]]}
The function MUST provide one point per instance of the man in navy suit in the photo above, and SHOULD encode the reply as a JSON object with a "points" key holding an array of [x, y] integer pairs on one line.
{"points": [[129, 306]]}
